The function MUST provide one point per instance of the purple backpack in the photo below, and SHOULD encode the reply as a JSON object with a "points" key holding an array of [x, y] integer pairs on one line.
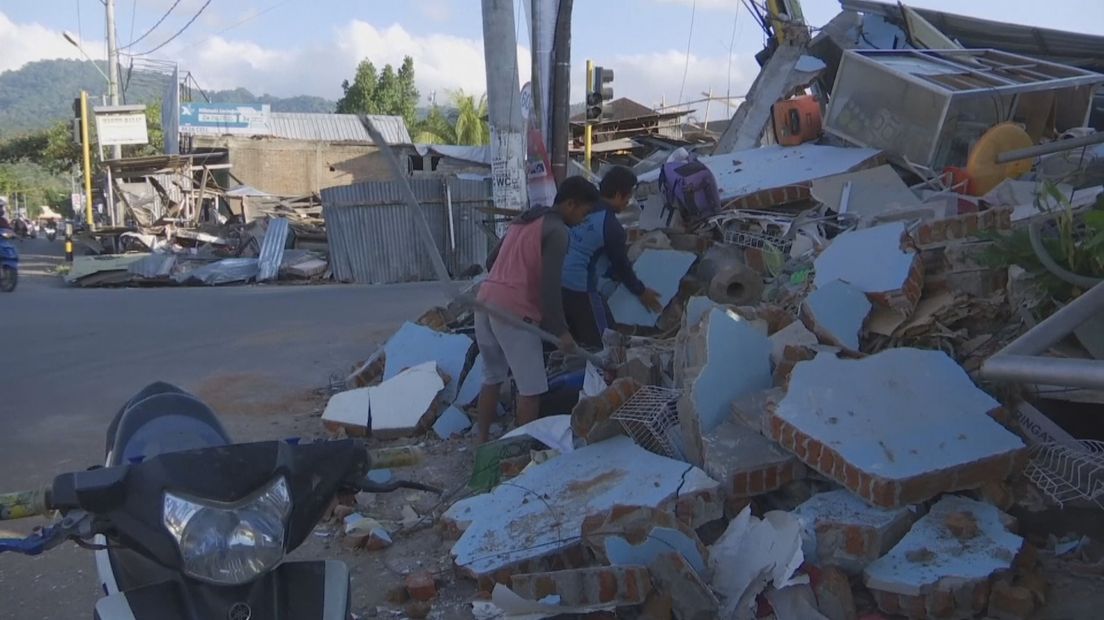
{"points": [[689, 186]]}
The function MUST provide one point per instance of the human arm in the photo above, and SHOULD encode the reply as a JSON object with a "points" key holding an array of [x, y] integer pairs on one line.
{"points": [[615, 241], [554, 240]]}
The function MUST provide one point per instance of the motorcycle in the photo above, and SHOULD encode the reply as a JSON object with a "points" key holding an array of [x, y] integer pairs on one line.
{"points": [[9, 261], [51, 232], [186, 525]]}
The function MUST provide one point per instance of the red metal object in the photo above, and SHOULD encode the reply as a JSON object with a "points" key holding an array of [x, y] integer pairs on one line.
{"points": [[797, 120]]}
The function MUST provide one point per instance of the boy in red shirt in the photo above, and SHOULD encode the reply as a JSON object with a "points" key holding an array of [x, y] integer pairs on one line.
{"points": [[524, 280]]}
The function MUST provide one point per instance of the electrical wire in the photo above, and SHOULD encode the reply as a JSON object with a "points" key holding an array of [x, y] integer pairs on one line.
{"points": [[133, 16], [242, 21], [689, 40], [151, 28], [731, 47], [179, 32]]}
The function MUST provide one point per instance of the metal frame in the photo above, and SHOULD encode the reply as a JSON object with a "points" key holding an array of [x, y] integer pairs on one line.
{"points": [[1021, 361]]}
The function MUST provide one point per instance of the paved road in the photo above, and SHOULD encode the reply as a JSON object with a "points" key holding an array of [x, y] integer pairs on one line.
{"points": [[70, 357]]}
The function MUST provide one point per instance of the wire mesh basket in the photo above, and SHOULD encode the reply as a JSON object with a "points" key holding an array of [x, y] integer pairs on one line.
{"points": [[650, 417], [1066, 474]]}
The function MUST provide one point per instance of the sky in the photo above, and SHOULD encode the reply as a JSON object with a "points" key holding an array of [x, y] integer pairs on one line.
{"points": [[662, 51]]}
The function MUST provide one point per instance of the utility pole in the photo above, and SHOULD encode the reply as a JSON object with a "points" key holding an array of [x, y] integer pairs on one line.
{"points": [[588, 130], [86, 152], [560, 115], [508, 152], [112, 66]]}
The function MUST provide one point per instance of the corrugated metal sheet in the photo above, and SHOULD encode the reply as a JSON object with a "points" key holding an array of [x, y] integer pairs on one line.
{"points": [[373, 235], [272, 249], [336, 127], [155, 265]]}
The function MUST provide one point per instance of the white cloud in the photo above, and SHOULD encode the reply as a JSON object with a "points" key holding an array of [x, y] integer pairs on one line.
{"points": [[23, 43], [435, 10]]}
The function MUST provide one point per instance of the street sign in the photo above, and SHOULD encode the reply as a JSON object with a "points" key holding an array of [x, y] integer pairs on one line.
{"points": [[246, 119], [118, 128]]}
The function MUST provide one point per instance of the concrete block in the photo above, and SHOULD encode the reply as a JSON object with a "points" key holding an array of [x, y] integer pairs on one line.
{"points": [[399, 404], [532, 524], [847, 532], [414, 344], [590, 419], [659, 270], [620, 585], [896, 428], [834, 597], [473, 383], [836, 313], [630, 535], [751, 410], [726, 358], [691, 598], [793, 335], [451, 422], [878, 261], [747, 463], [349, 409], [932, 573]]}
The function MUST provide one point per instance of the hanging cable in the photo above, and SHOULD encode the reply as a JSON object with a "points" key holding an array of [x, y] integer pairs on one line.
{"points": [[179, 32], [133, 16], [151, 28], [731, 47], [689, 39]]}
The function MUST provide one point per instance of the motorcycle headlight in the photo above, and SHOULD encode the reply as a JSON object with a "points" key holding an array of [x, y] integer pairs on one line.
{"points": [[230, 544]]}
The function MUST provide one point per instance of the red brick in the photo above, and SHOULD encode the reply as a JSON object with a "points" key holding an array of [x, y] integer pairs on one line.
{"points": [[925, 234], [854, 541], [421, 586], [1008, 602]]}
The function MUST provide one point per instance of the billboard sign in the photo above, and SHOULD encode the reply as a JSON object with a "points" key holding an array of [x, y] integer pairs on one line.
{"points": [[244, 119], [123, 127]]}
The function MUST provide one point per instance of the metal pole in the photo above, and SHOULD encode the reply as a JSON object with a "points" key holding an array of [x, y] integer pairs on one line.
{"points": [[588, 131], [504, 105], [87, 149], [560, 118], [112, 68], [1051, 147], [1058, 325]]}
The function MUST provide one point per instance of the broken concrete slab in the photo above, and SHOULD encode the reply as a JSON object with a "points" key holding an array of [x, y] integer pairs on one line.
{"points": [[349, 410], [932, 573], [753, 553], [505, 604], [307, 269], [796, 335], [628, 535], [878, 261], [414, 344], [751, 410], [534, 522], [843, 530], [451, 422], [872, 193], [621, 586], [836, 312], [796, 602], [696, 308], [895, 428], [399, 404], [691, 597], [746, 463], [725, 358], [659, 270], [473, 382]]}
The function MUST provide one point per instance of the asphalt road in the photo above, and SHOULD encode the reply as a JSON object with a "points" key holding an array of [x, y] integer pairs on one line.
{"points": [[70, 357]]}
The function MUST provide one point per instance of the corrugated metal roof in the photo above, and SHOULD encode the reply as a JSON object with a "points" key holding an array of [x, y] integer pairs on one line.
{"points": [[336, 127]]}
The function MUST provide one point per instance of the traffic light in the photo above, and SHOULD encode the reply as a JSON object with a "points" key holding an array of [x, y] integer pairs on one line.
{"points": [[598, 93], [77, 120]]}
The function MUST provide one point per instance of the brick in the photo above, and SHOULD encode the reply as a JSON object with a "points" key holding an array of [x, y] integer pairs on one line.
{"points": [[963, 525], [590, 419], [691, 598], [849, 533], [621, 585], [833, 593], [746, 463], [634, 535], [1008, 602], [421, 586]]}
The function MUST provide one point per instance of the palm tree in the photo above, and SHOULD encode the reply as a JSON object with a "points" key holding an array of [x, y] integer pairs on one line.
{"points": [[468, 123]]}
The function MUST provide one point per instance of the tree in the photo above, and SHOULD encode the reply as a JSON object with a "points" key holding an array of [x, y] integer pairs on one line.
{"points": [[466, 124], [385, 92]]}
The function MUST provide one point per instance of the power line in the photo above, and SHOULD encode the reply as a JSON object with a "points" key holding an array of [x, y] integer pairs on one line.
{"points": [[181, 31], [689, 39], [133, 15], [151, 28], [731, 47], [243, 21]]}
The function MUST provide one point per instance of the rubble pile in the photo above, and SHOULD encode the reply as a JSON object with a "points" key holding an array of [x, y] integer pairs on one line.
{"points": [[802, 432]]}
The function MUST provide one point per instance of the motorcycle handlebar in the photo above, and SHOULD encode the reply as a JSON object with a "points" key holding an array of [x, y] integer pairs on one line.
{"points": [[23, 504]]}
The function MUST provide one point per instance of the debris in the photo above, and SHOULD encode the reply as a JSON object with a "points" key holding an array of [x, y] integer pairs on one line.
{"points": [[473, 383], [1038, 429], [836, 312], [310, 268], [489, 457], [365, 533], [1009, 602], [746, 463], [834, 598], [272, 249], [638, 535], [1067, 474], [650, 417], [591, 419], [399, 404], [795, 334], [753, 553], [85, 266], [725, 358], [619, 586], [553, 431], [505, 604], [409, 517], [895, 428], [946, 580], [520, 526], [691, 597], [751, 410], [736, 286], [696, 309], [843, 530], [421, 586], [451, 422], [225, 271], [414, 344], [593, 381], [659, 270], [796, 602], [875, 194], [962, 525], [349, 410], [877, 262]]}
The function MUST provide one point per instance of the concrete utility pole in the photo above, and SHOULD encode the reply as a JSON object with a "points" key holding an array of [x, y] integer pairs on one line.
{"points": [[504, 105], [560, 115], [112, 67]]}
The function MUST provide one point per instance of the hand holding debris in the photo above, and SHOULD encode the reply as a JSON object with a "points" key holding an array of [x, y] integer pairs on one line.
{"points": [[650, 300]]}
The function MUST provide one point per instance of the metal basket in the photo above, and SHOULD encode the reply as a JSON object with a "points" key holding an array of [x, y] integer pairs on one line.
{"points": [[650, 417], [1066, 474]]}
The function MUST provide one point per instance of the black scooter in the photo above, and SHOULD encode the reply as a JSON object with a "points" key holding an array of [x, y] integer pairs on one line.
{"points": [[189, 526]]}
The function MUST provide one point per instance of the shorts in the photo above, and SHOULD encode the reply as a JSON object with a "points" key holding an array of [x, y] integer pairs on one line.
{"points": [[507, 349]]}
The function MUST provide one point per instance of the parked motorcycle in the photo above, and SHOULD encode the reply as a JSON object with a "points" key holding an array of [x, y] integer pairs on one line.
{"points": [[9, 261], [51, 231], [189, 526]]}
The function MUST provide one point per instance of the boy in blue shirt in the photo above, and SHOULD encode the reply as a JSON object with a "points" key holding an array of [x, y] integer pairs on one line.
{"points": [[600, 240]]}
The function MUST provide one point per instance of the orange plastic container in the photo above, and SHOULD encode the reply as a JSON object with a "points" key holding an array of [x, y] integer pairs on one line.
{"points": [[797, 120]]}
